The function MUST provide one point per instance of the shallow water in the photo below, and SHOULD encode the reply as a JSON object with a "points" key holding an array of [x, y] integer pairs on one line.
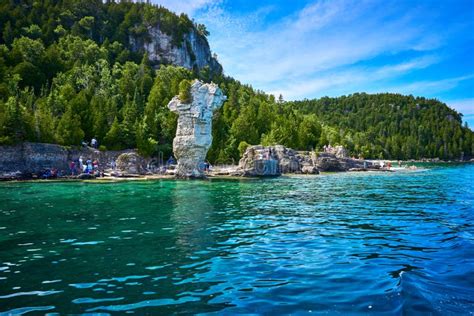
{"points": [[332, 244]]}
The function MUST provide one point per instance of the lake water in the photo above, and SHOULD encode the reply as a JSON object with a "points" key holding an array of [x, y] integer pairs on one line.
{"points": [[348, 243]]}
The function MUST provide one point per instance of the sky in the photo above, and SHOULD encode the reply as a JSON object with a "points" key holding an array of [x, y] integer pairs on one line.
{"points": [[315, 48]]}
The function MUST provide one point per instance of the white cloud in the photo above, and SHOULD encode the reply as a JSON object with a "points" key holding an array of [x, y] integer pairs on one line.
{"points": [[465, 106], [430, 87], [335, 47], [334, 83], [322, 36], [185, 6]]}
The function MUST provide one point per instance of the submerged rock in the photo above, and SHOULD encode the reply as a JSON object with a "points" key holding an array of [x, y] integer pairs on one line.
{"points": [[194, 132]]}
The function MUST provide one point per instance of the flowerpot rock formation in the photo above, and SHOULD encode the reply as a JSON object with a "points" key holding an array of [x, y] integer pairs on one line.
{"points": [[194, 132]]}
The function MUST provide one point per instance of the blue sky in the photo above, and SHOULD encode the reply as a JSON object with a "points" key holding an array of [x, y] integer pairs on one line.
{"points": [[309, 49]]}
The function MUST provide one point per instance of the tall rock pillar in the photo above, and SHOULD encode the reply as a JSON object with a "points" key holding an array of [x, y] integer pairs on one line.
{"points": [[194, 132]]}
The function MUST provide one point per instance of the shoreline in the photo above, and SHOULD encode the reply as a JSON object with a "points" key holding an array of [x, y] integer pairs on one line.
{"points": [[143, 178]]}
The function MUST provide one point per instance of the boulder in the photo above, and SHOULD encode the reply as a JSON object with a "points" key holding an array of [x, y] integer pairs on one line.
{"points": [[328, 162], [261, 160], [85, 176], [131, 163], [194, 131], [341, 152], [309, 169]]}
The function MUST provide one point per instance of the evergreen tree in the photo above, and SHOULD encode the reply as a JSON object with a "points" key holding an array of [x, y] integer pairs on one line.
{"points": [[69, 131], [113, 139]]}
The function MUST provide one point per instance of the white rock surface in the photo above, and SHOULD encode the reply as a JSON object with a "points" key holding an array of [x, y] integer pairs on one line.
{"points": [[192, 52], [194, 132]]}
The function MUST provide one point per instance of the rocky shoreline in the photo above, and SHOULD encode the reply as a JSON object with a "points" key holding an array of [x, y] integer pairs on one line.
{"points": [[28, 161]]}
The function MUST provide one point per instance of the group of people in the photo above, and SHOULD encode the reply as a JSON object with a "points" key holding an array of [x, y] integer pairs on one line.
{"points": [[387, 165], [328, 148], [89, 167], [94, 143], [265, 154], [51, 173]]}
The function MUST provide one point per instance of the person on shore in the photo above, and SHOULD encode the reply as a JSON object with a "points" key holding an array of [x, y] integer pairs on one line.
{"points": [[171, 161], [389, 165], [95, 164], [113, 165], [94, 143], [81, 164], [89, 166], [72, 168]]}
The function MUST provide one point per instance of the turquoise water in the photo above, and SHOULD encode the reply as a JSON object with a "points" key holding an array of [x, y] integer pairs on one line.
{"points": [[398, 243]]}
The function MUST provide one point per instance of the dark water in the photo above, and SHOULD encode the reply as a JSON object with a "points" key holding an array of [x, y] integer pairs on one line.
{"points": [[400, 243]]}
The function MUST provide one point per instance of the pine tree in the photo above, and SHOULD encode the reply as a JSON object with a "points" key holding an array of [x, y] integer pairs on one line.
{"points": [[113, 139], [69, 131]]}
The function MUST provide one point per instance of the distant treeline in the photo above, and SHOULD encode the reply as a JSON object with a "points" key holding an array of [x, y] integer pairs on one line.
{"points": [[68, 74]]}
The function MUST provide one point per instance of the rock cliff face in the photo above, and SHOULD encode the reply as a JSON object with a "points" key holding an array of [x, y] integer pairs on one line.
{"points": [[193, 51], [257, 161], [270, 161], [23, 160], [194, 131]]}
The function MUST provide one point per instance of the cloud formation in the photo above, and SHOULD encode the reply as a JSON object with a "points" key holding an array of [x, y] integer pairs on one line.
{"points": [[333, 47], [185, 6]]}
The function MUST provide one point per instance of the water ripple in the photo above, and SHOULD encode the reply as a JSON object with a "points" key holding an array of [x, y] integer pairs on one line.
{"points": [[399, 243]]}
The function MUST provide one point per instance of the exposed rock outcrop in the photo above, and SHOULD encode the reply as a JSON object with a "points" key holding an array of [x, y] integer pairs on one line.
{"points": [[193, 51], [24, 160], [269, 161], [131, 163], [257, 160], [194, 131]]}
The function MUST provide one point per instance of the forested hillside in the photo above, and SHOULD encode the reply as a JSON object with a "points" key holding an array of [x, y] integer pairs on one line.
{"points": [[69, 72], [393, 126]]}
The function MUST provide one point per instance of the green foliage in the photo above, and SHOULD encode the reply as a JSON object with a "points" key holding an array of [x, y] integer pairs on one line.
{"points": [[113, 139], [69, 72], [185, 91], [69, 130], [243, 145], [391, 126]]}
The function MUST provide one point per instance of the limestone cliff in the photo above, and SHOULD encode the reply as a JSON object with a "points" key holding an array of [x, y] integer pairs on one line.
{"points": [[193, 52]]}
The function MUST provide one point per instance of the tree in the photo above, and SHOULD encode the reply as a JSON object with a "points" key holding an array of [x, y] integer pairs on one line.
{"points": [[185, 91], [69, 130], [243, 145], [113, 139], [13, 126], [309, 132]]}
